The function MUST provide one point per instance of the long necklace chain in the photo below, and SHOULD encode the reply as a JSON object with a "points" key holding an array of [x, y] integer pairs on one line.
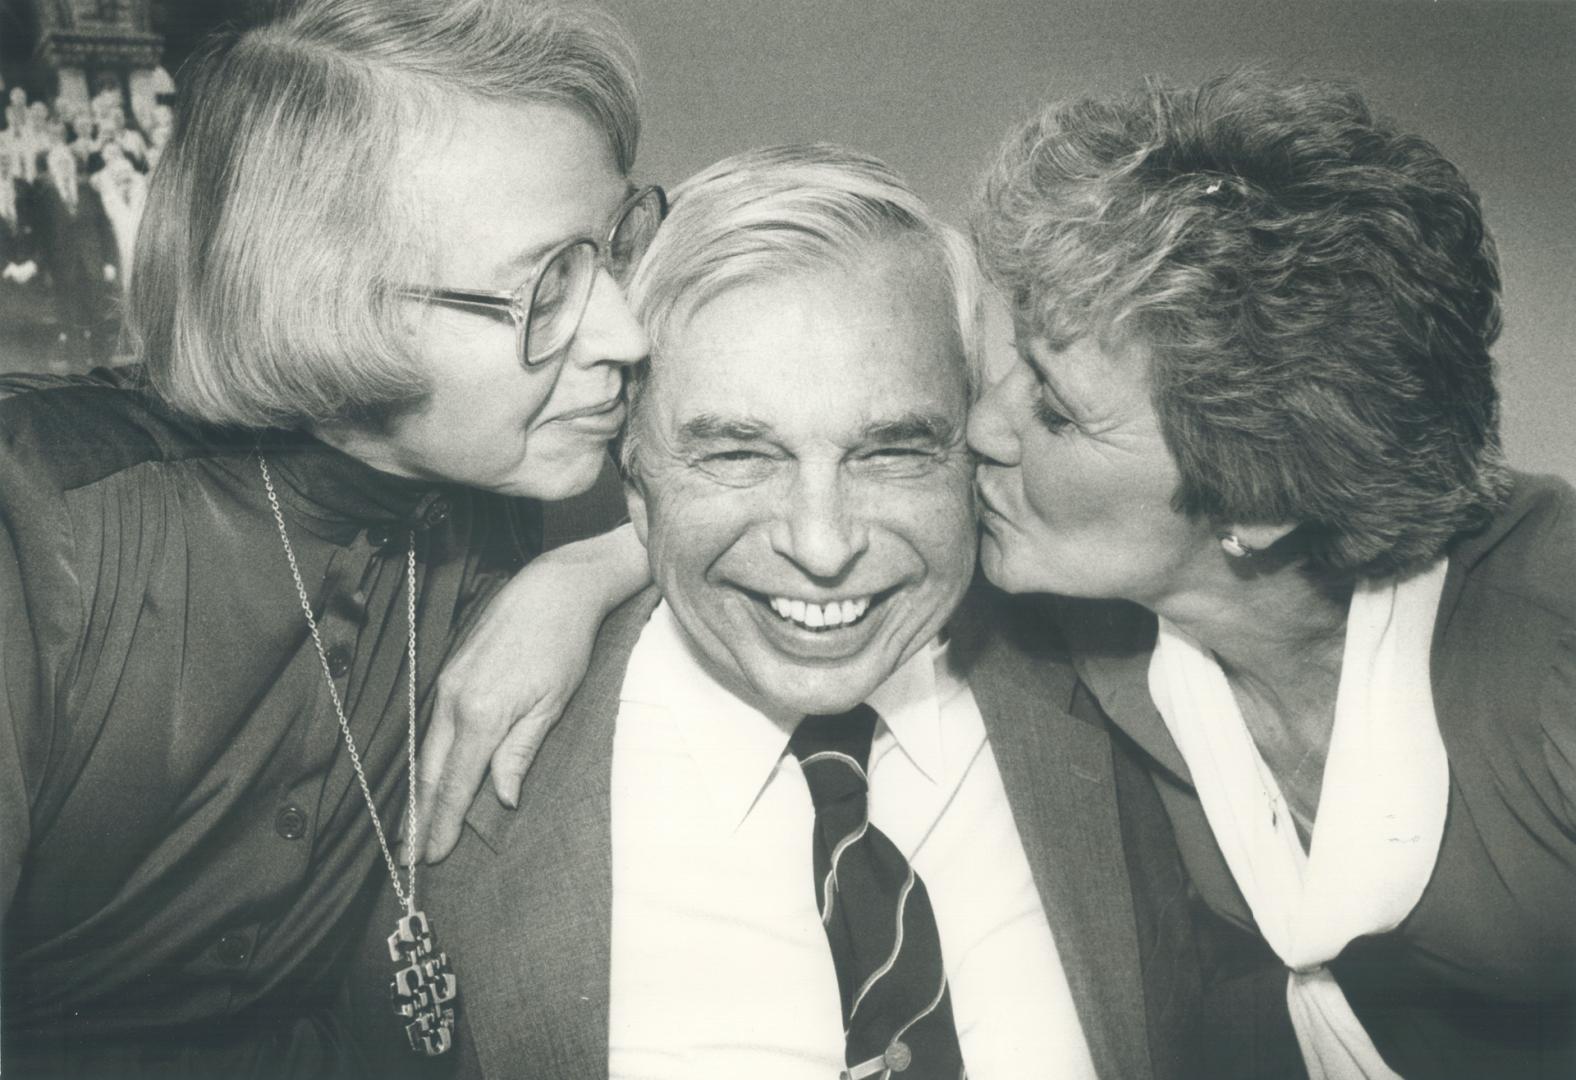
{"points": [[407, 895]]}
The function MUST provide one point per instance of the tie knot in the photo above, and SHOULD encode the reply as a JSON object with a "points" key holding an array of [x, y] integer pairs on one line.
{"points": [[834, 751]]}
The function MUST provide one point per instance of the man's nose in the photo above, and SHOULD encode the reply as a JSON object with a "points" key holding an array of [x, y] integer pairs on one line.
{"points": [[991, 434], [822, 530], [609, 331]]}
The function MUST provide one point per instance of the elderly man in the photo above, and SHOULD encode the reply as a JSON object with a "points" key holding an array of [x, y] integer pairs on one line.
{"points": [[376, 303], [797, 823]]}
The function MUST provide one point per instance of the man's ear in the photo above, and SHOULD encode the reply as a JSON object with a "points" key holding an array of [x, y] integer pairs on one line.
{"points": [[635, 499]]}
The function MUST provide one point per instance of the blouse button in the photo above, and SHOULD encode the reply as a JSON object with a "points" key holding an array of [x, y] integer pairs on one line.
{"points": [[290, 822], [338, 660], [232, 949], [437, 513]]}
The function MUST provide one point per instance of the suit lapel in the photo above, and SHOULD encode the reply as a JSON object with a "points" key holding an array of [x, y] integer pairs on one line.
{"points": [[1114, 642], [1121, 685], [548, 891], [1058, 775]]}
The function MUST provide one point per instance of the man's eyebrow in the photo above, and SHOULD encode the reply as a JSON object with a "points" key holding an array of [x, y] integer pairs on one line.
{"points": [[933, 428], [709, 427]]}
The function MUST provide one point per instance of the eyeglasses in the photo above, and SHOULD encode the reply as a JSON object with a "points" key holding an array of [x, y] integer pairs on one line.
{"points": [[548, 305]]}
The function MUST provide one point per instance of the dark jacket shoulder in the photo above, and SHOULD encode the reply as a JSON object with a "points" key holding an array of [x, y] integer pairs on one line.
{"points": [[543, 977], [580, 741], [1016, 642]]}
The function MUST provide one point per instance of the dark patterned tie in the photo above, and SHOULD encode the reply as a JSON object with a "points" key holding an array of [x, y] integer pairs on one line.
{"points": [[897, 1013]]}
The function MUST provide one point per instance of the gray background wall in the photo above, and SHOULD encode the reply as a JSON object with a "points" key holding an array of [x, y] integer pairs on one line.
{"points": [[931, 85]]}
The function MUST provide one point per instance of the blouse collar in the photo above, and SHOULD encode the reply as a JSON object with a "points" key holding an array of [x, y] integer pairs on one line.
{"points": [[328, 485]]}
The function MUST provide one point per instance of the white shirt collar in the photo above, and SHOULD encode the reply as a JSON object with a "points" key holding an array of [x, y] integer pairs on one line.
{"points": [[738, 747]]}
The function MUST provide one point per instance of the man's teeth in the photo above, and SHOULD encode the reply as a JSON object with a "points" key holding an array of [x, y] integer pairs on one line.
{"points": [[820, 616]]}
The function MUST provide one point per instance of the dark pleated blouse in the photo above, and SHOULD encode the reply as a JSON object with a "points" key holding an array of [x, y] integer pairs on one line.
{"points": [[185, 848]]}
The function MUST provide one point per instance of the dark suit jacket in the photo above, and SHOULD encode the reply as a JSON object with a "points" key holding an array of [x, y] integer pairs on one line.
{"points": [[523, 906]]}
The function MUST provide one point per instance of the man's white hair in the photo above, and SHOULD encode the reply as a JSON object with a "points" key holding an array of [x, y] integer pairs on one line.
{"points": [[775, 212]]}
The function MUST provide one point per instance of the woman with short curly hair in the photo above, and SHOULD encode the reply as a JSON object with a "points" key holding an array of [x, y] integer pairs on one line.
{"points": [[1252, 415]]}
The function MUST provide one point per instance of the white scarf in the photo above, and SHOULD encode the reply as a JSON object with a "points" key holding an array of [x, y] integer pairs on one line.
{"points": [[1381, 807]]}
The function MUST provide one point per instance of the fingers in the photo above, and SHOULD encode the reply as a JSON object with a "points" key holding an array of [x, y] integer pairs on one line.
{"points": [[513, 758], [446, 788], [429, 768], [456, 784]]}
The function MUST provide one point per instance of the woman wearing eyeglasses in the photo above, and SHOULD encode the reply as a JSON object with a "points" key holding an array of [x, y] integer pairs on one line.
{"points": [[379, 314]]}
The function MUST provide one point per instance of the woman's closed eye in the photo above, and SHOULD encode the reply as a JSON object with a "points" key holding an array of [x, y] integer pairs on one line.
{"points": [[1047, 414]]}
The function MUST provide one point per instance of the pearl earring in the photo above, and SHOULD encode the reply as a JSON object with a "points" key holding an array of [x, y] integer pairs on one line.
{"points": [[1235, 547]]}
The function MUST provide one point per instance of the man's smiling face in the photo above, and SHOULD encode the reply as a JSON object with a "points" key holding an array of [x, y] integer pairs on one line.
{"points": [[802, 487]]}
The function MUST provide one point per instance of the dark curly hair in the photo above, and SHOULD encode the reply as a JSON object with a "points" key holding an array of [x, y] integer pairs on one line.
{"points": [[1317, 290]]}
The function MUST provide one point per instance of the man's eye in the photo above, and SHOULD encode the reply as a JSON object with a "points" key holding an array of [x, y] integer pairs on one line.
{"points": [[898, 462], [738, 466]]}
